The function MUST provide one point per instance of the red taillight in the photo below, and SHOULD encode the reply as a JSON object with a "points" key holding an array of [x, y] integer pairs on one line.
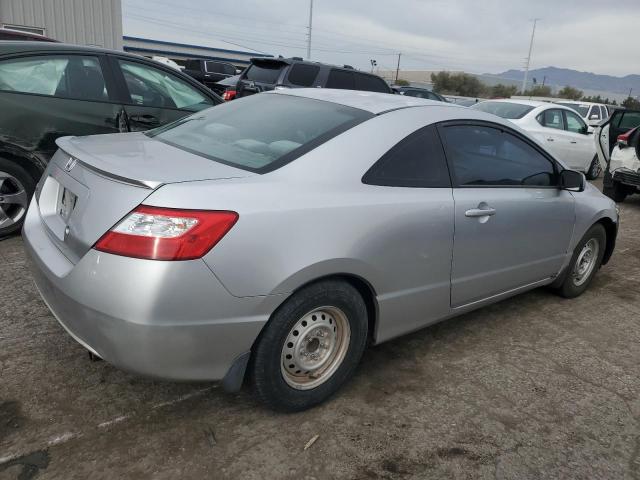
{"points": [[156, 233], [623, 139], [229, 95]]}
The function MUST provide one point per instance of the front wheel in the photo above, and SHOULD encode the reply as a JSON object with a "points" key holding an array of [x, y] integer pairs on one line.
{"points": [[310, 347], [586, 261], [594, 169]]}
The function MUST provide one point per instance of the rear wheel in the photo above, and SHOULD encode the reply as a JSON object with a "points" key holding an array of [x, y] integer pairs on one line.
{"points": [[586, 261], [594, 169], [616, 191], [16, 189], [310, 347]]}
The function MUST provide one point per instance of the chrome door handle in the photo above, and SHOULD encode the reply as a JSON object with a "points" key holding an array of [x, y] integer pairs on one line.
{"points": [[549, 139], [573, 141], [480, 212]]}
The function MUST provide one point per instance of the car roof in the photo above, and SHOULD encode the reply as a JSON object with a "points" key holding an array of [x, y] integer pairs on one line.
{"points": [[11, 46], [372, 102]]}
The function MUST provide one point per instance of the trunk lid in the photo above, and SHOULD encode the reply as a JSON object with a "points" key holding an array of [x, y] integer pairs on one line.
{"points": [[93, 182]]}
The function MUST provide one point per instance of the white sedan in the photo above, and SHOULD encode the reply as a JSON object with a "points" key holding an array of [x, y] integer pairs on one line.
{"points": [[560, 129]]}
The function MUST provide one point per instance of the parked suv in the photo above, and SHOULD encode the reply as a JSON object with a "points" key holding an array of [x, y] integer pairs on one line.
{"points": [[269, 73], [209, 72], [49, 90], [592, 113]]}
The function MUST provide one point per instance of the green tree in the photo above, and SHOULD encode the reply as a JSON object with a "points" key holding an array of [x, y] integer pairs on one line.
{"points": [[538, 91], [458, 84], [503, 91], [402, 82], [631, 103], [570, 93]]}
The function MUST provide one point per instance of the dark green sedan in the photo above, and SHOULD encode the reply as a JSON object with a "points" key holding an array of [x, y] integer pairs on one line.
{"points": [[50, 90]]}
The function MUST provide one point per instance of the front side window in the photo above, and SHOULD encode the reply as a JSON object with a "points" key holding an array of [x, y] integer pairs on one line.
{"points": [[152, 87], [416, 161], [575, 124], [303, 75], [508, 110], [342, 79], [72, 76], [551, 119], [487, 156], [262, 132]]}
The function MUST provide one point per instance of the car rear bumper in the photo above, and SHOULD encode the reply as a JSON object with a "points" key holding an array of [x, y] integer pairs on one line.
{"points": [[171, 320]]}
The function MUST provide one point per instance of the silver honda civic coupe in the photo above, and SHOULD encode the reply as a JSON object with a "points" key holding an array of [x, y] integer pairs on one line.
{"points": [[276, 236]]}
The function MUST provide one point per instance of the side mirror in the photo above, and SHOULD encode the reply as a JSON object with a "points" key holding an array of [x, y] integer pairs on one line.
{"points": [[572, 180]]}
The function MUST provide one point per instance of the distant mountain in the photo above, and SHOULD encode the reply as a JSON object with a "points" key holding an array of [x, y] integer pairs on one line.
{"points": [[559, 77]]}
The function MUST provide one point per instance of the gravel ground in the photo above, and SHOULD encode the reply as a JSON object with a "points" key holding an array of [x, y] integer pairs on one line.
{"points": [[533, 387]]}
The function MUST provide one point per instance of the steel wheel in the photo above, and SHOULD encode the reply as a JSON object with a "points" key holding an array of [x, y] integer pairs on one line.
{"points": [[315, 347], [586, 262], [14, 200]]}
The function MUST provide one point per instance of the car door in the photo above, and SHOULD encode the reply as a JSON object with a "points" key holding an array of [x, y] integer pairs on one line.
{"points": [[551, 132], [154, 96], [44, 96], [411, 183], [513, 224], [580, 147]]}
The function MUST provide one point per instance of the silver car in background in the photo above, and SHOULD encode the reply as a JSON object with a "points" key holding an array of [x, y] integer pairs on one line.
{"points": [[279, 234]]}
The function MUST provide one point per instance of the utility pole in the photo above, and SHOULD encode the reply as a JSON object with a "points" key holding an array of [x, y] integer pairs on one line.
{"points": [[630, 90], [526, 70], [398, 67], [309, 27]]}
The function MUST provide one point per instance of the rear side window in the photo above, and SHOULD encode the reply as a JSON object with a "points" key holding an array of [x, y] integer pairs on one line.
{"points": [[72, 76], [487, 156], [264, 72], [342, 79], [551, 119], [217, 67], [370, 83], [416, 161], [262, 132], [303, 75]]}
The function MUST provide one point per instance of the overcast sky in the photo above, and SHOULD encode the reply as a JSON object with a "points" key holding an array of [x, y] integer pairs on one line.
{"points": [[472, 35]]}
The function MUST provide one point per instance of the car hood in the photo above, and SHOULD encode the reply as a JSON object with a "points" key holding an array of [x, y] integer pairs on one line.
{"points": [[138, 158]]}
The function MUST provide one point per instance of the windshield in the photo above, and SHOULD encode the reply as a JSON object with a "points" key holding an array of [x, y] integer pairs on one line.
{"points": [[581, 109], [262, 132], [507, 110]]}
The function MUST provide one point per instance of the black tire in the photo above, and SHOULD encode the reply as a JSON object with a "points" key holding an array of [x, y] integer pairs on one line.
{"points": [[594, 169], [28, 183], [266, 367], [616, 191], [568, 287]]}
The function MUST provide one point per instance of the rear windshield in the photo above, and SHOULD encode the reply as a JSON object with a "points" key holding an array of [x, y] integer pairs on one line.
{"points": [[264, 72], [581, 109], [262, 132], [511, 111]]}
